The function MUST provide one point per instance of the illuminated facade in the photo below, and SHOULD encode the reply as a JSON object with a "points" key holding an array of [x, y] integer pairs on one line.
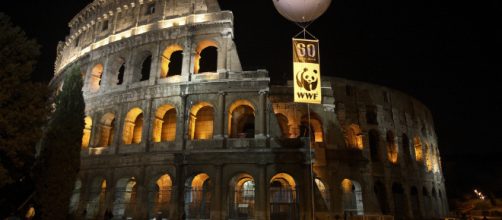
{"points": [[176, 128]]}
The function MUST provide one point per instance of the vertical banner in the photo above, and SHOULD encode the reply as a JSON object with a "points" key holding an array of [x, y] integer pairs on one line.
{"points": [[307, 71]]}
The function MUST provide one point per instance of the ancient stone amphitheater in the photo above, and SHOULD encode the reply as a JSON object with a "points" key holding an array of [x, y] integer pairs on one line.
{"points": [[175, 129]]}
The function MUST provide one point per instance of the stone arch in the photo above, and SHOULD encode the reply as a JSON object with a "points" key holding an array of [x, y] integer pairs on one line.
{"points": [[399, 201], [133, 127], [97, 197], [119, 66], [283, 198], [315, 128], [241, 119], [417, 145], [198, 195], [381, 195], [107, 130], [415, 202], [242, 196], [428, 158], [171, 63], [322, 193], [283, 124], [86, 137], [124, 203], [95, 78], [206, 57], [374, 142], [142, 66], [159, 196], [201, 121], [75, 198], [165, 124], [427, 202], [352, 198], [354, 137], [392, 149]]}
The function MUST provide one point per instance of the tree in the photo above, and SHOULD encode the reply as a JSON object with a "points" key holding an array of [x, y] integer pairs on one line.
{"points": [[23, 111], [59, 161]]}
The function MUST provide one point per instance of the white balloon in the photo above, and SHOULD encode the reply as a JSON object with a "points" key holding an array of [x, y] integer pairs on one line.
{"points": [[301, 10]]}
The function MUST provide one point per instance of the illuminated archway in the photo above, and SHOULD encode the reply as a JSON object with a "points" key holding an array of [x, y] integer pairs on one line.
{"points": [[159, 197], [124, 203], [133, 127], [201, 122], [97, 198], [283, 199], [86, 137], [428, 157], [242, 196], [206, 57], [417, 144], [354, 137], [352, 197], [170, 64], [315, 128], [198, 193], [241, 118], [283, 124], [322, 195], [107, 130], [95, 78], [392, 149], [165, 124]]}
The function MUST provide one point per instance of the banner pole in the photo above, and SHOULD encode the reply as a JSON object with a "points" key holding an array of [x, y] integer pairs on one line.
{"points": [[311, 163]]}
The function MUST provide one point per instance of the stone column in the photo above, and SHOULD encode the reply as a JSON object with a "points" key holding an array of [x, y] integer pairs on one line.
{"points": [[261, 199], [222, 65], [217, 197], [219, 126], [146, 137], [186, 67], [261, 122]]}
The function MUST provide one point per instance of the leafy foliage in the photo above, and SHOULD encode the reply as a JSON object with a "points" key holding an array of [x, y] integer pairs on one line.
{"points": [[59, 160], [23, 107]]}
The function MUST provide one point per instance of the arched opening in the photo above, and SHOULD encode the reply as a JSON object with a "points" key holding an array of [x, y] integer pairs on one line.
{"points": [[201, 122], [107, 130], [172, 61], [283, 124], [314, 129], [241, 120], [146, 68], [133, 127], [95, 80], [415, 202], [418, 149], [399, 201], [242, 197], [354, 137], [352, 198], [75, 198], [206, 59], [322, 201], [120, 74], [97, 198], [371, 115], [392, 150], [435, 203], [283, 199], [406, 148], [86, 137], [428, 158], [374, 139], [427, 203], [198, 197], [124, 203], [165, 124], [381, 194], [159, 197]]}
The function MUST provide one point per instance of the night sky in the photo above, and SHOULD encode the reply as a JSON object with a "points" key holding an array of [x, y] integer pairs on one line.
{"points": [[442, 52]]}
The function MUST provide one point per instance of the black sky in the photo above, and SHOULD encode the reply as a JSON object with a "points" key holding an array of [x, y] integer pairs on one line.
{"points": [[442, 52]]}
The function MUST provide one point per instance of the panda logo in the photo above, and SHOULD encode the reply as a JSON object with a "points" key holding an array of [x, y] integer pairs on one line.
{"points": [[307, 79]]}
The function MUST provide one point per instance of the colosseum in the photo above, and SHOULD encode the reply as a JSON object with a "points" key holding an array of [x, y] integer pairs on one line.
{"points": [[175, 129]]}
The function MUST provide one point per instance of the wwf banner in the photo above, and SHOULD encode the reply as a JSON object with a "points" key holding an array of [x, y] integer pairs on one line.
{"points": [[307, 71]]}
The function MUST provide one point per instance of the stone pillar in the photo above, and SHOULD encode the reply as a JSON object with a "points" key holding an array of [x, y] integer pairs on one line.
{"points": [[186, 67], [222, 55], [155, 67], [147, 126], [181, 126], [141, 210], [216, 199], [261, 120], [119, 128], [219, 125], [261, 199]]}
